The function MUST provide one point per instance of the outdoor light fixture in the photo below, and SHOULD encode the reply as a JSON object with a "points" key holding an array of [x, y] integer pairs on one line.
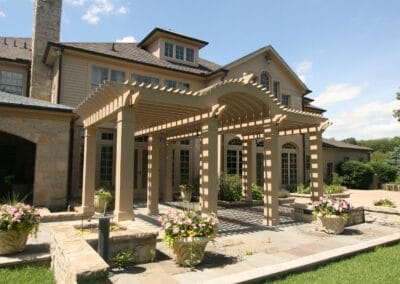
{"points": [[268, 58]]}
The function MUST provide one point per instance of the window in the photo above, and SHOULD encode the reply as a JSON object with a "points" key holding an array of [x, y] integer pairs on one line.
{"points": [[184, 166], [145, 79], [170, 84], [11, 82], [179, 50], [289, 164], [235, 141], [286, 100], [168, 49], [106, 165], [117, 76], [329, 172], [264, 80], [142, 139], [99, 75], [185, 142], [183, 86], [260, 169], [308, 162], [346, 159], [276, 90], [108, 136], [189, 54]]}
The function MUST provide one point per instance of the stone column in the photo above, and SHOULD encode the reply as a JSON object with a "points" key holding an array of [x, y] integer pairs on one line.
{"points": [[125, 149], [168, 172], [271, 175], [209, 166], [89, 170], [153, 174], [249, 168], [316, 179]]}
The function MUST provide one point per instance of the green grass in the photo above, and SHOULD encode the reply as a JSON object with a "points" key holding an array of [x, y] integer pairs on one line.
{"points": [[378, 266], [29, 274]]}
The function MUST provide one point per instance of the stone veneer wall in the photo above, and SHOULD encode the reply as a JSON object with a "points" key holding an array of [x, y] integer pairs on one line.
{"points": [[383, 216], [73, 260], [50, 133]]}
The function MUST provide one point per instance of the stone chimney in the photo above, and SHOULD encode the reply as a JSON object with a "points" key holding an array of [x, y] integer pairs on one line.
{"points": [[46, 27]]}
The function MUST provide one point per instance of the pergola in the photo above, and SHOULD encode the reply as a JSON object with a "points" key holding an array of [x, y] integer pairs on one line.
{"points": [[238, 106]]}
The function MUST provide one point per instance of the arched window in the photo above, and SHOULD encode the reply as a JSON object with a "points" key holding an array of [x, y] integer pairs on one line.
{"points": [[289, 164], [265, 80]]}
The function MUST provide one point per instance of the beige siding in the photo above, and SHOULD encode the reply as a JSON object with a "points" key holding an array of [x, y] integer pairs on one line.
{"points": [[154, 48]]}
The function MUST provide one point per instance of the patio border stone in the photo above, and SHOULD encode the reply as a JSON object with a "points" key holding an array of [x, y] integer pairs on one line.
{"points": [[281, 269]]}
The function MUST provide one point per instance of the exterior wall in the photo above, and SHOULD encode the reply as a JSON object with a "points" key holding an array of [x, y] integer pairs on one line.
{"points": [[50, 133], [54, 82], [154, 48], [46, 27], [18, 68], [277, 72]]}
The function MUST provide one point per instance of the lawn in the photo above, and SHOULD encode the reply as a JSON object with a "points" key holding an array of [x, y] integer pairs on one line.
{"points": [[378, 266], [30, 274]]}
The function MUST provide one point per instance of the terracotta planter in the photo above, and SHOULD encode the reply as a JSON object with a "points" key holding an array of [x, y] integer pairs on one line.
{"points": [[186, 195], [333, 224], [190, 251], [100, 204], [12, 241]]}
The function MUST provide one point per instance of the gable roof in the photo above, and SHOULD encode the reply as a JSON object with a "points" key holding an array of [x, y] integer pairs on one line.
{"points": [[262, 50], [332, 143], [15, 49], [7, 99], [131, 52]]}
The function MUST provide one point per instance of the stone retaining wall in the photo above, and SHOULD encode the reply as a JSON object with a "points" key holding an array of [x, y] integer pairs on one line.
{"points": [[73, 260], [383, 216]]}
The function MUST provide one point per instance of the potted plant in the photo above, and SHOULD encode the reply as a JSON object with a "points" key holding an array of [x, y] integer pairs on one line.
{"points": [[186, 192], [333, 214], [102, 198], [188, 233], [17, 221]]}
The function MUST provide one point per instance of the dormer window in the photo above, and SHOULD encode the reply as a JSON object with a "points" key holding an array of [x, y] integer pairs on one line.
{"points": [[169, 49], [179, 51], [190, 54]]}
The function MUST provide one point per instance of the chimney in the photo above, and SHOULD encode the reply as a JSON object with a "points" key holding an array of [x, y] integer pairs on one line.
{"points": [[46, 27]]}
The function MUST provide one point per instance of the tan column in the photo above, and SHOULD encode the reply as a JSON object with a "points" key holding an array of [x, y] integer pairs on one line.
{"points": [[249, 168], [209, 166], [125, 148], [168, 172], [163, 165], [271, 175], [153, 174], [89, 171], [316, 179]]}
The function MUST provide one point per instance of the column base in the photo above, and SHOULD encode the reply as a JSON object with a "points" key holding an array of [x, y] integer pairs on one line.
{"points": [[270, 222], [152, 211], [316, 198], [124, 216]]}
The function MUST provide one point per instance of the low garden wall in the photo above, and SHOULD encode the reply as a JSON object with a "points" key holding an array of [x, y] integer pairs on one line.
{"points": [[383, 216], [391, 186]]}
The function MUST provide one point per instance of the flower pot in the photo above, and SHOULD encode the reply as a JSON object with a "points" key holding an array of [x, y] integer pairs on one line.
{"points": [[13, 241], [333, 224], [189, 251], [100, 204], [186, 195]]}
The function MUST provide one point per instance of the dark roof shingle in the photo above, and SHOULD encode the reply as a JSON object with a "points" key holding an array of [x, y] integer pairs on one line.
{"points": [[339, 144], [13, 48]]}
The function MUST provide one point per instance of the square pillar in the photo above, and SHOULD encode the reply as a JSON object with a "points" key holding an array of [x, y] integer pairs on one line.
{"points": [[89, 170], [163, 164], [271, 175], [316, 178], [125, 149], [209, 166], [168, 172], [153, 172], [249, 168]]}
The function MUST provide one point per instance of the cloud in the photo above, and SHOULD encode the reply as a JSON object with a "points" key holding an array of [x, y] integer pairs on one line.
{"points": [[366, 121], [126, 39], [339, 93], [96, 9], [76, 2], [303, 68], [122, 10], [2, 14]]}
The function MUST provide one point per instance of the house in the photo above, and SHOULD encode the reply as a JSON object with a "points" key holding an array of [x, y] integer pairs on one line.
{"points": [[56, 97]]}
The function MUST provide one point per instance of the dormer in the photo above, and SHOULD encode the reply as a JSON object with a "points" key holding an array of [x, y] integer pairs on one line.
{"points": [[172, 46]]}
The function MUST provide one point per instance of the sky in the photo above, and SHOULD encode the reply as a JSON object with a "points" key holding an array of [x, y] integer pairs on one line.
{"points": [[346, 51]]}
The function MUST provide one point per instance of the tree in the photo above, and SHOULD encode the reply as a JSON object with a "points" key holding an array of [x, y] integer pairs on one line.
{"points": [[396, 112], [395, 159], [350, 140]]}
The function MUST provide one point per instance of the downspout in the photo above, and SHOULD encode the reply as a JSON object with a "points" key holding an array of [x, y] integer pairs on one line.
{"points": [[70, 160]]}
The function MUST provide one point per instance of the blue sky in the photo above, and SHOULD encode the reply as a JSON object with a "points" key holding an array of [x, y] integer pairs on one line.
{"points": [[347, 52]]}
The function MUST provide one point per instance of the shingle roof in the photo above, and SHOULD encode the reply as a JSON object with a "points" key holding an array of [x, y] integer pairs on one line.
{"points": [[20, 101], [332, 143], [12, 48], [131, 52]]}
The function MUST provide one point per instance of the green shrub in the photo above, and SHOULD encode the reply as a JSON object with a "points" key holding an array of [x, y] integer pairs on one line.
{"points": [[386, 172], [230, 187], [333, 188], [336, 179], [303, 189], [121, 259], [385, 202], [256, 192], [357, 174], [291, 187]]}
